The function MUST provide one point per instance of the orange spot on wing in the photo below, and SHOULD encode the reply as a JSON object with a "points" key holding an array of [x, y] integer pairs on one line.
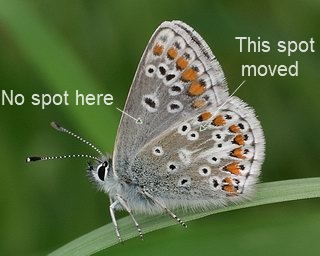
{"points": [[239, 139], [198, 103], [189, 75], [234, 128], [219, 121], [157, 49], [238, 153], [181, 63], [233, 168], [196, 89], [227, 180], [229, 187], [204, 116], [172, 53]]}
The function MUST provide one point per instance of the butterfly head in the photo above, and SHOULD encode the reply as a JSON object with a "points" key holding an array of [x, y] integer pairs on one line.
{"points": [[101, 171]]}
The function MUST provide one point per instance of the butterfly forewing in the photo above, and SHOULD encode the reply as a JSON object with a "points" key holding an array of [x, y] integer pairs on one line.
{"points": [[178, 77]]}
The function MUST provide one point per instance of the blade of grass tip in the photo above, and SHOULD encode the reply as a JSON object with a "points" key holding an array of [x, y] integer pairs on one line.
{"points": [[267, 193], [54, 59]]}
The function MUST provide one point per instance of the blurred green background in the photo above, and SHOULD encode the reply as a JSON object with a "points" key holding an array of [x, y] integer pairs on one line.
{"points": [[95, 46]]}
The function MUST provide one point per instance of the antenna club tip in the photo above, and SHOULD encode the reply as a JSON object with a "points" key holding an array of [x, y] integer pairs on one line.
{"points": [[56, 126], [33, 159]]}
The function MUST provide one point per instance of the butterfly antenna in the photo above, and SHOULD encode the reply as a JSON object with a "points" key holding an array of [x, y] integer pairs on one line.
{"points": [[44, 158], [64, 130]]}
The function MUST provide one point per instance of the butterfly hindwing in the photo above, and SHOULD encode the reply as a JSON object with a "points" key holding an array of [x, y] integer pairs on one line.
{"points": [[178, 77], [193, 168]]}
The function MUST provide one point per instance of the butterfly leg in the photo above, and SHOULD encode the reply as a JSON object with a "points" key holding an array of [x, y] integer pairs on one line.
{"points": [[124, 204], [113, 217], [164, 208]]}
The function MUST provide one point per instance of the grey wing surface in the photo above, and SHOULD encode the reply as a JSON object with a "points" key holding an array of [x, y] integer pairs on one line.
{"points": [[178, 77]]}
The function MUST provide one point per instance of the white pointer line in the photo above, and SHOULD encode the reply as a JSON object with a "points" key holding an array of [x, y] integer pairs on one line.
{"points": [[203, 127], [138, 120]]}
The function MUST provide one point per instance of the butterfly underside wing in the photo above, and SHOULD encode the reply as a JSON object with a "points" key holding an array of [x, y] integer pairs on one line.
{"points": [[179, 86], [196, 148]]}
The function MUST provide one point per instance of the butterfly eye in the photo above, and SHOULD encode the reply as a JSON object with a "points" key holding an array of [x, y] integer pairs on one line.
{"points": [[101, 170]]}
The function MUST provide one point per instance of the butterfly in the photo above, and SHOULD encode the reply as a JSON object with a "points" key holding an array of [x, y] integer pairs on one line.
{"points": [[194, 147]]}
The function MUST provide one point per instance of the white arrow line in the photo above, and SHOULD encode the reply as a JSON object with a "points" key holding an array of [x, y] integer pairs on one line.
{"points": [[203, 127], [138, 120]]}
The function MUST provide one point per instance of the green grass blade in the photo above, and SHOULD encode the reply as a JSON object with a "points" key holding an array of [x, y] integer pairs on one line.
{"points": [[267, 193]]}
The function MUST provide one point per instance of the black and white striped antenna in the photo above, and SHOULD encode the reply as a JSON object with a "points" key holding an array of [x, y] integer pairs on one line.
{"points": [[64, 130]]}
